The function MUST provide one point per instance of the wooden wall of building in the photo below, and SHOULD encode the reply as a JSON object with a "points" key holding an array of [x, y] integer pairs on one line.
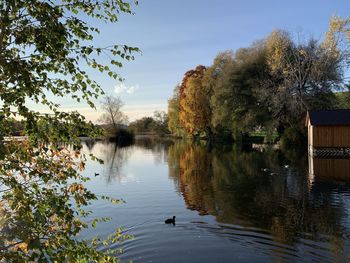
{"points": [[329, 136]]}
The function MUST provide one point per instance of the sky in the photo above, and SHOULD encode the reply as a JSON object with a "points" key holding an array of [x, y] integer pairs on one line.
{"points": [[176, 36]]}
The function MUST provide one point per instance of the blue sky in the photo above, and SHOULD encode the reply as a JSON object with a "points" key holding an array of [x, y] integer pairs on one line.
{"points": [[176, 36]]}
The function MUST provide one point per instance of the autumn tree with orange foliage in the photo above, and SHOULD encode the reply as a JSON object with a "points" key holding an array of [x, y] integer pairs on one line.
{"points": [[195, 112]]}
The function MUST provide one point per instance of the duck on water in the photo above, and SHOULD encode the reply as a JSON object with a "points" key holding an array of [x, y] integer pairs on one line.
{"points": [[170, 220]]}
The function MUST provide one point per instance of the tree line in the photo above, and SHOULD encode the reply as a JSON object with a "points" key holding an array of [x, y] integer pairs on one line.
{"points": [[113, 122], [116, 126], [267, 87], [156, 124]]}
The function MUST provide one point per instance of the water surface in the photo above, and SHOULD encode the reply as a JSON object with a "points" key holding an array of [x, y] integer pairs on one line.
{"points": [[230, 205]]}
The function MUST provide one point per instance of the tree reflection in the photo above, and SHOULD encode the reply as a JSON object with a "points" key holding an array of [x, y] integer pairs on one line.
{"points": [[325, 169], [114, 158], [157, 145], [257, 189]]}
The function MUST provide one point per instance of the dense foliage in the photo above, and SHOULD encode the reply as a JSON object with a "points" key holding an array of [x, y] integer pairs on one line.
{"points": [[267, 87], [44, 48], [158, 124], [194, 111], [174, 114]]}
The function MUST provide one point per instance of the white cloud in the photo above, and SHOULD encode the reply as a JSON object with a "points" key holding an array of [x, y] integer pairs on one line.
{"points": [[122, 88]]}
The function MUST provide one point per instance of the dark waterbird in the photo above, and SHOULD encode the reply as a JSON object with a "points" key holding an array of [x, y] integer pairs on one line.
{"points": [[170, 221]]}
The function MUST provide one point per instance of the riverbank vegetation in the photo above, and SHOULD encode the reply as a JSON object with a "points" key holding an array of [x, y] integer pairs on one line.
{"points": [[265, 88], [156, 125]]}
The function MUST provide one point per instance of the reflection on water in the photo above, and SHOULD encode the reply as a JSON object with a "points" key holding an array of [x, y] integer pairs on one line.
{"points": [[114, 159], [261, 205], [252, 189], [321, 168]]}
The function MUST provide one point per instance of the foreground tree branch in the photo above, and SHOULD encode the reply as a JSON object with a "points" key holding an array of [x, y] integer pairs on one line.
{"points": [[43, 46]]}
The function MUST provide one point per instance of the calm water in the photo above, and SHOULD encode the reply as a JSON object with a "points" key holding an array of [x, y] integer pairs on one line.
{"points": [[230, 205]]}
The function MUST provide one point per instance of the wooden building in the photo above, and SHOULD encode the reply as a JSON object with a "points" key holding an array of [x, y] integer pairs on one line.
{"points": [[328, 129]]}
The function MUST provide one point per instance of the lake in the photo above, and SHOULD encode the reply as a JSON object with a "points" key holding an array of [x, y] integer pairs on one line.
{"points": [[231, 205]]}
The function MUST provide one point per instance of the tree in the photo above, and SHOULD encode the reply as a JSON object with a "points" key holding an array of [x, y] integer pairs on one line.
{"points": [[343, 98], [337, 42], [16, 127], [157, 124], [235, 78], [113, 115], [337, 38], [161, 119], [44, 47], [195, 113], [302, 77], [174, 124], [145, 124]]}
